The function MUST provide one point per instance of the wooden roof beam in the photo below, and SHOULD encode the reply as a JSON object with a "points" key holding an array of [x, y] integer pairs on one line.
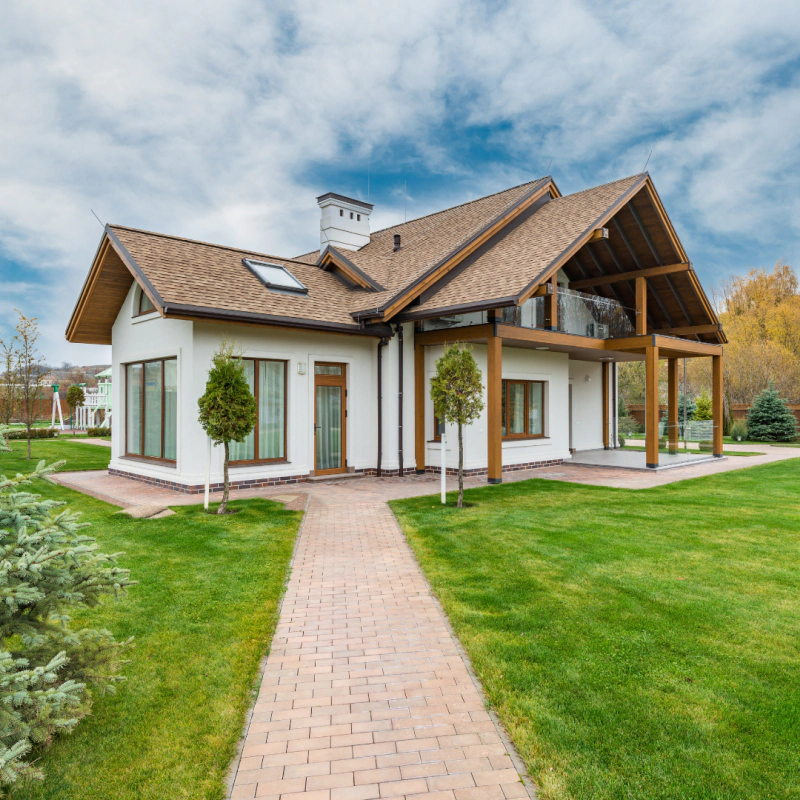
{"points": [[629, 276], [632, 251], [657, 257]]}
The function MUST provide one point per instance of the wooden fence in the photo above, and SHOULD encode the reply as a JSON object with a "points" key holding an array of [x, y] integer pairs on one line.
{"points": [[636, 410]]}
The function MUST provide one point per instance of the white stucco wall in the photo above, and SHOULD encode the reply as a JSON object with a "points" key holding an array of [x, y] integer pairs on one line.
{"points": [[518, 364], [586, 378], [193, 343], [140, 339]]}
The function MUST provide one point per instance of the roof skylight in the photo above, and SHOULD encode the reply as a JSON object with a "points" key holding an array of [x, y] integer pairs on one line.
{"points": [[275, 276]]}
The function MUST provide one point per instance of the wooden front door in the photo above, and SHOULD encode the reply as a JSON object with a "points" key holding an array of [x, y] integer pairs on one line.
{"points": [[330, 418]]}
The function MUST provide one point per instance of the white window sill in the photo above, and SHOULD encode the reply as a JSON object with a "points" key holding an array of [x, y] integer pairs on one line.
{"points": [[541, 441]]}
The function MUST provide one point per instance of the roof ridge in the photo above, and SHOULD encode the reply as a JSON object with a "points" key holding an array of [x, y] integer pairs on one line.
{"points": [[461, 205], [602, 185], [206, 244]]}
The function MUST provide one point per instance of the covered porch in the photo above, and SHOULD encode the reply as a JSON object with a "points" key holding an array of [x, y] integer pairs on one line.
{"points": [[498, 334]]}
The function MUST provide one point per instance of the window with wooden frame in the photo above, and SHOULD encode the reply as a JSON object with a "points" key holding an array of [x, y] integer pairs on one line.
{"points": [[438, 428], [151, 409], [267, 441], [523, 409], [144, 305]]}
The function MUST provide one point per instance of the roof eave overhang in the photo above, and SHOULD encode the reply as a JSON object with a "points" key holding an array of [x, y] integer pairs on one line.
{"points": [[108, 239], [204, 313]]}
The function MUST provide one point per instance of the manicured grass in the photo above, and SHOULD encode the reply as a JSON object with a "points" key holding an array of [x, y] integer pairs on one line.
{"points": [[636, 644], [202, 616], [744, 453], [78, 455]]}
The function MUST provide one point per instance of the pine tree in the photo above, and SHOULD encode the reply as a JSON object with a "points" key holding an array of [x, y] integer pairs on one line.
{"points": [[456, 392], [47, 670], [769, 419], [705, 408], [228, 408], [691, 407]]}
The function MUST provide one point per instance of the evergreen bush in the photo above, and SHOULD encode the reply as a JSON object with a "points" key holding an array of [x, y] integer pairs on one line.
{"points": [[739, 431], [769, 419], [35, 433], [98, 432], [228, 408], [704, 407], [48, 670]]}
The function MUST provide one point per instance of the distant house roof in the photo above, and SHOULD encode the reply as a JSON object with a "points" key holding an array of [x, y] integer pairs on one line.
{"points": [[490, 252]]}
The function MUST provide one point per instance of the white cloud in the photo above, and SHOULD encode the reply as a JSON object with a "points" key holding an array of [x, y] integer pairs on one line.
{"points": [[207, 120]]}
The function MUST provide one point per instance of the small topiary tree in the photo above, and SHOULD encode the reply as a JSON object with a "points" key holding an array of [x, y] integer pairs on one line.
{"points": [[47, 670], [75, 397], [769, 419], [705, 408], [228, 408], [457, 395]]}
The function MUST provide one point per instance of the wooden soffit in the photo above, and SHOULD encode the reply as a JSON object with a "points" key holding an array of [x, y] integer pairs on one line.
{"points": [[104, 291]]}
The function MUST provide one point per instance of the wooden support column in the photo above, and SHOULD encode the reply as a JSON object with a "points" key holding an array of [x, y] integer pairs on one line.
{"points": [[419, 407], [651, 405], [494, 408], [606, 406], [672, 404], [551, 307], [641, 306], [716, 403]]}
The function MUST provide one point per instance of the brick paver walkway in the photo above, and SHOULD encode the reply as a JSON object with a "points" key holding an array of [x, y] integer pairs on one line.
{"points": [[365, 694]]}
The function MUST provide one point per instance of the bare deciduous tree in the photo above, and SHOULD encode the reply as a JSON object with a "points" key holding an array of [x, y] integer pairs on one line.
{"points": [[29, 370]]}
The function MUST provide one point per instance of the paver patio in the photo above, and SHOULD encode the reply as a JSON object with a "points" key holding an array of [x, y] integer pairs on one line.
{"points": [[365, 693]]}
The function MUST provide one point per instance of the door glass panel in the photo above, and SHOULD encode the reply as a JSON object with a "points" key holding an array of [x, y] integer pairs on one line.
{"points": [[246, 450], [134, 409], [329, 427], [270, 408], [170, 409], [535, 408], [516, 408], [327, 369], [152, 409]]}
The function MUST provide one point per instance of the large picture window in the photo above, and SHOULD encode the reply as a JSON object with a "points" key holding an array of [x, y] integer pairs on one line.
{"points": [[151, 409], [523, 409], [267, 441]]}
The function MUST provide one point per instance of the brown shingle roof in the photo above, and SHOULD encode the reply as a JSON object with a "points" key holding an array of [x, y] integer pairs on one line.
{"points": [[524, 254], [427, 240], [190, 273], [197, 279]]}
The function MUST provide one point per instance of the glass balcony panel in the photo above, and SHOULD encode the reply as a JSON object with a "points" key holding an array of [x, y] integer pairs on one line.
{"points": [[578, 313]]}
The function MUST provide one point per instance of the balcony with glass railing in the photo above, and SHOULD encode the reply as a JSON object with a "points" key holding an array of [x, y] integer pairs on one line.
{"points": [[578, 313]]}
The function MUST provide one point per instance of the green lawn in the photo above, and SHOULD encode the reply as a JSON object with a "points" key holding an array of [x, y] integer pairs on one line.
{"points": [[77, 454], [636, 644], [202, 617]]}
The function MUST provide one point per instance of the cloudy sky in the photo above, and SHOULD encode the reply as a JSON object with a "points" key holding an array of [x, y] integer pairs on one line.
{"points": [[222, 121]]}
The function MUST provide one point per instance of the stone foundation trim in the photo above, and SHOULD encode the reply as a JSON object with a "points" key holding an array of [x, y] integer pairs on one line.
{"points": [[468, 473], [253, 483]]}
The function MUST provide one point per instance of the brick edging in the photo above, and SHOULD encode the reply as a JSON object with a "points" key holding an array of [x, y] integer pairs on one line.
{"points": [[254, 483]]}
